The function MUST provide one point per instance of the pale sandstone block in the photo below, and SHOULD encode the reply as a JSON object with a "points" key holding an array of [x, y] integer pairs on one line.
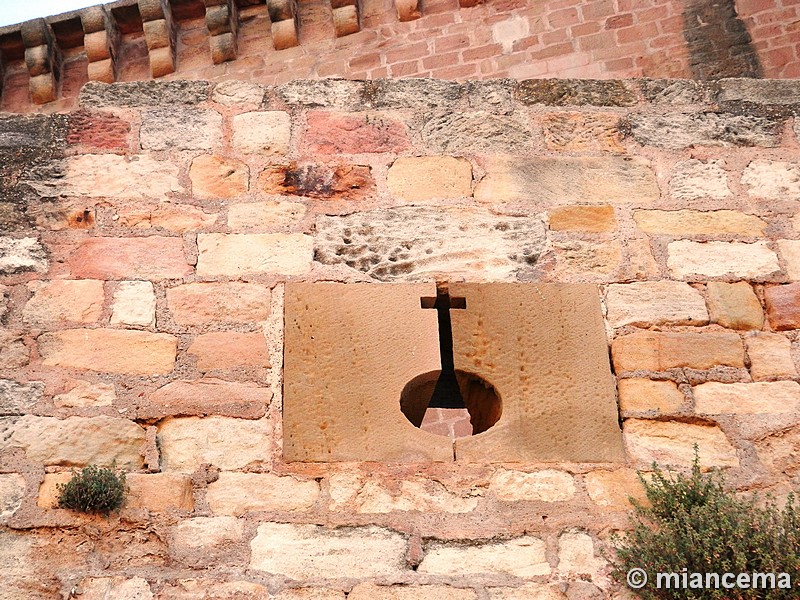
{"points": [[213, 589], [18, 564], [12, 490], [19, 398], [480, 132], [59, 301], [659, 351], [207, 396], [218, 177], [522, 557], [770, 356], [640, 261], [233, 255], [134, 304], [82, 394], [672, 443], [239, 493], [655, 303], [265, 215], [543, 486], [529, 591], [593, 219], [717, 259], [694, 179], [198, 304], [76, 441], [230, 350], [790, 252], [614, 488], [231, 93], [413, 495], [370, 591], [645, 394], [576, 554], [115, 588], [19, 255], [579, 258], [773, 180], [679, 223], [154, 258], [734, 305], [265, 133], [179, 218], [779, 452], [582, 132], [49, 489], [204, 541], [309, 594], [176, 128], [429, 177], [775, 397], [158, 492], [304, 552], [224, 442], [110, 351]]}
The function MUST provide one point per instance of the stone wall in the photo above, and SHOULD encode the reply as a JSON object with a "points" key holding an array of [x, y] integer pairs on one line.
{"points": [[147, 240]]}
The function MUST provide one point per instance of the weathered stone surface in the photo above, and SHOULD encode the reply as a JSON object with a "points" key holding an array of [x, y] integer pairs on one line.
{"points": [[575, 92], [180, 129], [655, 303], [134, 304], [234, 255], [153, 258], [203, 541], [576, 554], [265, 215], [370, 591], [13, 351], [264, 133], [303, 552], [715, 398], [522, 557], [144, 93], [158, 492], [658, 351], [113, 588], [337, 133], [568, 180], [582, 132], [232, 93], [76, 441], [179, 218], [641, 395], [790, 252], [697, 222], [676, 131], [430, 177], [542, 486], [239, 493], [310, 593], [770, 91], [582, 259], [783, 306], [198, 304], [61, 300], [694, 179], [779, 452], [592, 219], [734, 305], [529, 591], [49, 490], [688, 260], [110, 351], [672, 443], [218, 177], [213, 589], [411, 93], [188, 442], [772, 179], [112, 176], [456, 132], [417, 495], [418, 242], [81, 394], [19, 255], [229, 350], [3, 301], [614, 488], [12, 490], [19, 398], [207, 396], [770, 356], [341, 181]]}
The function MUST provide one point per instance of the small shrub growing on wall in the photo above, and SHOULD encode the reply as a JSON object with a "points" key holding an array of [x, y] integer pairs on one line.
{"points": [[693, 527], [93, 490]]}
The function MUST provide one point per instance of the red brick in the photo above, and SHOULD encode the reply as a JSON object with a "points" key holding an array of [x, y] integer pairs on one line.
{"points": [[746, 8], [368, 61], [460, 72], [783, 306], [405, 69], [563, 18], [657, 13], [597, 9], [550, 51], [98, 130], [521, 45], [334, 133], [417, 50], [441, 60], [151, 257], [555, 37], [618, 21], [632, 34], [482, 52], [226, 350], [452, 42], [584, 29]]}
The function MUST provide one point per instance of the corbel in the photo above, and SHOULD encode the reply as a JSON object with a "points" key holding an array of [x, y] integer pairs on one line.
{"points": [[222, 21], [101, 39], [408, 10], [345, 17], [159, 32], [43, 59], [283, 15]]}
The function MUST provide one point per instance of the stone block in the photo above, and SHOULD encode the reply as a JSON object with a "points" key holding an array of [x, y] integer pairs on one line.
{"points": [[641, 395], [614, 488], [341, 94], [234, 255], [83, 394], [98, 129], [20, 255], [430, 177], [692, 260], [49, 490], [106, 588], [783, 306], [213, 589], [218, 177], [343, 133], [582, 132], [177, 128], [694, 179], [310, 552], [778, 452], [110, 351], [333, 181], [541, 486], [267, 133], [76, 441], [229, 444], [790, 252], [269, 215], [677, 130], [239, 493], [671, 443], [576, 555], [410, 243], [159, 492], [659, 351], [734, 305], [180, 218], [529, 591], [200, 304], [13, 351], [575, 92], [591, 219], [59, 301], [225, 350], [411, 93], [19, 398], [770, 356], [207, 396], [413, 495], [134, 304], [207, 541], [555, 181], [578, 260], [772, 179], [649, 303], [144, 93], [239, 93], [12, 491], [154, 258], [520, 557], [714, 398], [458, 132], [772, 91], [370, 591]]}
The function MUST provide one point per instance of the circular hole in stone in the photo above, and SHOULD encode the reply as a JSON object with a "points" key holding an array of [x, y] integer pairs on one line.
{"points": [[483, 406]]}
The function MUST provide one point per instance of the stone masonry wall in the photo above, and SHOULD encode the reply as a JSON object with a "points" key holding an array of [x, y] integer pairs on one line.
{"points": [[146, 241]]}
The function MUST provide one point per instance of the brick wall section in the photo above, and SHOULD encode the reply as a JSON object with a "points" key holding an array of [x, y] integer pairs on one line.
{"points": [[147, 238]]}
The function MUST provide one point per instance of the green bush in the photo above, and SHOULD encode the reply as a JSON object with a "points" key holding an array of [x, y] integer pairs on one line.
{"points": [[693, 525], [93, 490]]}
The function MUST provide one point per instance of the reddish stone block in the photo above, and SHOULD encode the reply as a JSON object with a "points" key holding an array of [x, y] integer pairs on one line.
{"points": [[783, 306], [152, 258], [618, 21], [334, 133], [327, 182], [98, 130]]}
